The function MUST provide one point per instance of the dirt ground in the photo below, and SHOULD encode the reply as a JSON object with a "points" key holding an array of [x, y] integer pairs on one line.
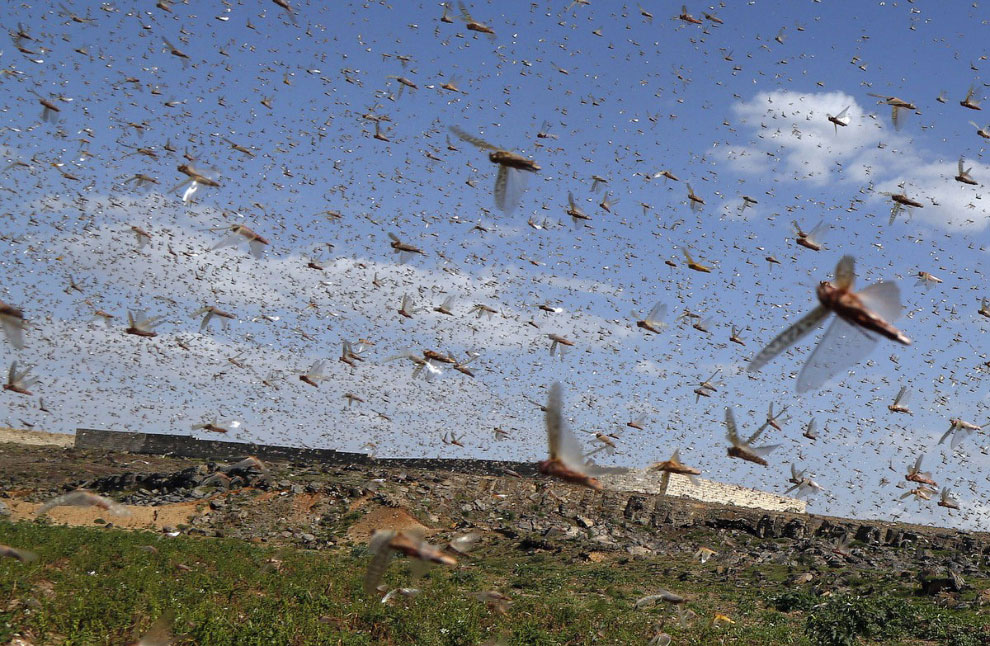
{"points": [[383, 518], [35, 438], [154, 518], [23, 466]]}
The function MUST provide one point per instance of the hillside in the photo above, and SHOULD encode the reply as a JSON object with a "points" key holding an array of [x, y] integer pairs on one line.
{"points": [[574, 562]]}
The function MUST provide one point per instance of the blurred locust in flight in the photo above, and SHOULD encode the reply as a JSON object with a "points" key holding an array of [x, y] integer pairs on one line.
{"points": [[860, 316], [744, 450], [509, 183], [566, 460]]}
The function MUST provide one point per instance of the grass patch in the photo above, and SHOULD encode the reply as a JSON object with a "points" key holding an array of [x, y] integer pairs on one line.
{"points": [[104, 586]]}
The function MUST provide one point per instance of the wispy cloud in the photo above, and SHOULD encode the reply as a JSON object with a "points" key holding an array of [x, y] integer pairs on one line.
{"points": [[791, 137]]}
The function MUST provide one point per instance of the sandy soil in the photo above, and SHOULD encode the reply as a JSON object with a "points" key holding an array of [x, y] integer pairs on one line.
{"points": [[154, 518], [35, 438], [383, 518]]}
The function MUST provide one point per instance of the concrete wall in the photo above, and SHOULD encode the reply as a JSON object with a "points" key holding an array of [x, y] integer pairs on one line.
{"points": [[634, 481], [721, 493]]}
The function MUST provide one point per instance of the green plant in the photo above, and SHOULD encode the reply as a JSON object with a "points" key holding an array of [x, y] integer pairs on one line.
{"points": [[794, 600], [842, 619]]}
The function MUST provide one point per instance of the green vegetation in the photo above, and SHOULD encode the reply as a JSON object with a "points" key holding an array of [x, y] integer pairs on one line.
{"points": [[844, 620], [105, 586]]}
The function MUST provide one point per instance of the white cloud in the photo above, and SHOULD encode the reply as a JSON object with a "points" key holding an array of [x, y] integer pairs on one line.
{"points": [[792, 138], [794, 127]]}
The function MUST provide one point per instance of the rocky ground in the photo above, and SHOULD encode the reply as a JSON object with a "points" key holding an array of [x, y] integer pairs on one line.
{"points": [[317, 507]]}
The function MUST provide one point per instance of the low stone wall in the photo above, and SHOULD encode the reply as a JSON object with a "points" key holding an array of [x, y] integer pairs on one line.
{"points": [[191, 447]]}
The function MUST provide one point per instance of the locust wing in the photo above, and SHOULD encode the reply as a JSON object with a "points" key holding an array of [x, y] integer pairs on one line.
{"points": [[788, 337]]}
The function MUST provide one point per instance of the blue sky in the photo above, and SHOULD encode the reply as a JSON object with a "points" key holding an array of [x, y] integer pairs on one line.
{"points": [[638, 96]]}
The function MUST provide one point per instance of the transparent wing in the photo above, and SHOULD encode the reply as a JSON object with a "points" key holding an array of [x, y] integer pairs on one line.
{"points": [[752, 438], [843, 113], [377, 567], [563, 445], [405, 353], [894, 211], [26, 381], [764, 451], [883, 299], [180, 185], [818, 233], [515, 186], [432, 371], [785, 339], [843, 345], [190, 191], [902, 396], [257, 248], [732, 433], [229, 240], [657, 314], [12, 328], [316, 371], [159, 634], [896, 118], [471, 139], [845, 272], [150, 322], [465, 543], [960, 435], [947, 433], [554, 419], [501, 180], [665, 481]]}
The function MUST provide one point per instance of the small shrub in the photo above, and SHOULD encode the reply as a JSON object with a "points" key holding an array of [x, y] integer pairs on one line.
{"points": [[794, 600], [842, 619]]}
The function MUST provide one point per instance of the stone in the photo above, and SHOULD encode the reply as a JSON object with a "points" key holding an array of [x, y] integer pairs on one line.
{"points": [[868, 534], [793, 529], [639, 551]]}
